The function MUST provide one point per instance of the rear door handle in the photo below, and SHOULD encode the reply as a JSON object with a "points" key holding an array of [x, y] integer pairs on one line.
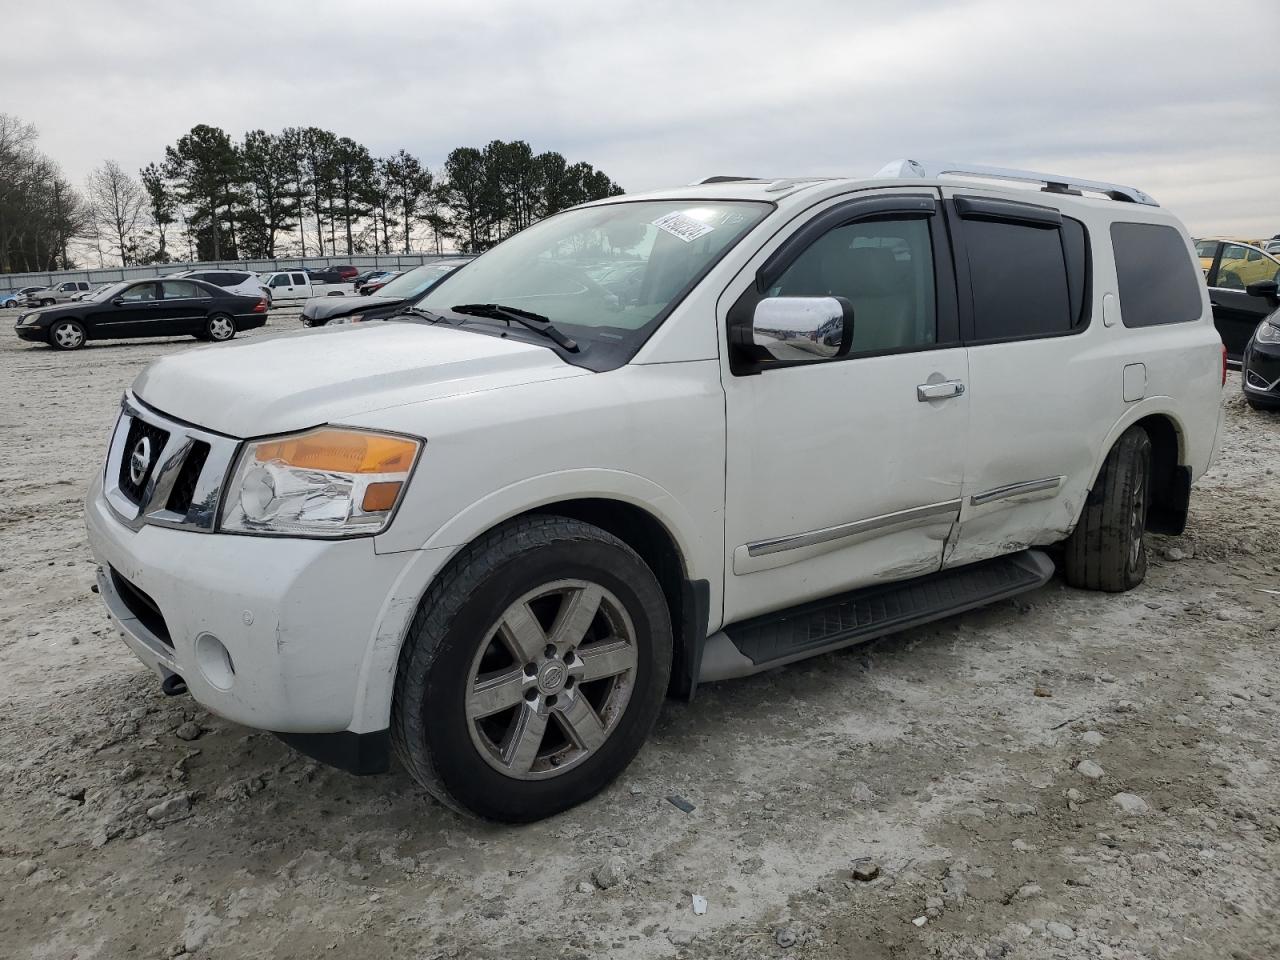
{"points": [[939, 391]]}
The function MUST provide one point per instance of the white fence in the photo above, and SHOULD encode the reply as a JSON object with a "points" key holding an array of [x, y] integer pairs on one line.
{"points": [[394, 261]]}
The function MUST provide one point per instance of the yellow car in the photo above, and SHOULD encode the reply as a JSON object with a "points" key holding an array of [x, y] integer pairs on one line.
{"points": [[1240, 264]]}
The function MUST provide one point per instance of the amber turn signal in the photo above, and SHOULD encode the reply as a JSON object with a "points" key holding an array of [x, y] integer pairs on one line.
{"points": [[381, 496], [342, 451]]}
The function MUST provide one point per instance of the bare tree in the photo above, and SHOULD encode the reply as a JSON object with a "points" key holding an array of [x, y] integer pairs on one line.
{"points": [[119, 209]]}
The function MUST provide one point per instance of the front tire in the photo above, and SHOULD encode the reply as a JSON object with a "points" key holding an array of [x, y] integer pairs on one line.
{"points": [[67, 335], [1106, 550], [219, 328], [533, 670]]}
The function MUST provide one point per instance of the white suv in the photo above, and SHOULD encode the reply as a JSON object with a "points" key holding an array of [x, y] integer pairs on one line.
{"points": [[242, 282], [493, 534]]}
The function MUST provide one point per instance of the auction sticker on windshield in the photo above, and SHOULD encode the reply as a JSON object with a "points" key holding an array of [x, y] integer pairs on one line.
{"points": [[682, 226]]}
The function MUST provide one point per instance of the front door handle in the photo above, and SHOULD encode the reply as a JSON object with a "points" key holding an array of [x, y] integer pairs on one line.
{"points": [[939, 391]]}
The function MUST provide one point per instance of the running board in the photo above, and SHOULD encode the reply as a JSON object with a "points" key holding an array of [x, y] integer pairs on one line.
{"points": [[751, 646]]}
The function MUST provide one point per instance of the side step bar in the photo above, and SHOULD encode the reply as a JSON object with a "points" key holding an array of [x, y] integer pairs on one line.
{"points": [[751, 646]]}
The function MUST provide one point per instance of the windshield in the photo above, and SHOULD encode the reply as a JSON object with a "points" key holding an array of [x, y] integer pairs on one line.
{"points": [[411, 284], [108, 292], [607, 274]]}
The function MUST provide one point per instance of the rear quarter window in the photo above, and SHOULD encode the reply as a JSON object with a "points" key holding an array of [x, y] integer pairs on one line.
{"points": [[1159, 282]]}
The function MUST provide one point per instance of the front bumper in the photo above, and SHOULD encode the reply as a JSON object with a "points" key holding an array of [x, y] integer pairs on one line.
{"points": [[295, 617], [1260, 371], [34, 334]]}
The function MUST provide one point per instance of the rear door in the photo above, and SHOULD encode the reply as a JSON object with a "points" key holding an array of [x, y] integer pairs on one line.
{"points": [[186, 306], [842, 472], [1236, 314], [1037, 394]]}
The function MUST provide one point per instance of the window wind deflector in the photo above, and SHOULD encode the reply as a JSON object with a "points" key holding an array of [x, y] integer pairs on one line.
{"points": [[526, 318], [1033, 215]]}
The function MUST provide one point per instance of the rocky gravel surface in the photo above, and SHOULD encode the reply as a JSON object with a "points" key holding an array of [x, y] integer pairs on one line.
{"points": [[1068, 775]]}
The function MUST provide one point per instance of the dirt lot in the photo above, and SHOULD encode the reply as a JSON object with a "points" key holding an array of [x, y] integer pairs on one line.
{"points": [[952, 757]]}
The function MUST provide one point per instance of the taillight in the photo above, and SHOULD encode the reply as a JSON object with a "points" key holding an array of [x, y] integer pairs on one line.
{"points": [[1224, 364], [261, 307]]}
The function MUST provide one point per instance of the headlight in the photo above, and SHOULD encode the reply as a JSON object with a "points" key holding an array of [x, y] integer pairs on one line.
{"points": [[1267, 332], [327, 482]]}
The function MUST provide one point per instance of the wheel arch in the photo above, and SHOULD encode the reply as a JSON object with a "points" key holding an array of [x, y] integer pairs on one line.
{"points": [[1170, 472], [636, 516]]}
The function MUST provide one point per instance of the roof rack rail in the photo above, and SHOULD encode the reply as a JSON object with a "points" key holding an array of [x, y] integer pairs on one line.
{"points": [[932, 169], [722, 179]]}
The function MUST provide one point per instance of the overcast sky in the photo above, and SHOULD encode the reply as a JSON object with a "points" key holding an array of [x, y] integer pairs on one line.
{"points": [[1178, 97]]}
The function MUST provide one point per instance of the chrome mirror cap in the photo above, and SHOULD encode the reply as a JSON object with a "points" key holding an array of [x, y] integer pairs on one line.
{"points": [[803, 328]]}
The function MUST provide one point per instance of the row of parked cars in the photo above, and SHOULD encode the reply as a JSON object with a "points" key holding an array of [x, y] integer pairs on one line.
{"points": [[215, 305], [281, 286]]}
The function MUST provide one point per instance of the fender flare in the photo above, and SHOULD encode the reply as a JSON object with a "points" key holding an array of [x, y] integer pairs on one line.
{"points": [[376, 682], [1151, 406]]}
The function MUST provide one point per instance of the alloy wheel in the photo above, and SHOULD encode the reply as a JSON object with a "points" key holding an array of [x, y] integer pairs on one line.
{"points": [[552, 680], [68, 335], [221, 328]]}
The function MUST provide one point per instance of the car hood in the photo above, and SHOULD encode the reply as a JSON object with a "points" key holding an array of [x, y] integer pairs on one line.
{"points": [[326, 308], [306, 378], [33, 314]]}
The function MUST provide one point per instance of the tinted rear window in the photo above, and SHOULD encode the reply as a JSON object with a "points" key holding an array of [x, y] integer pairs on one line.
{"points": [[1019, 278], [1158, 280]]}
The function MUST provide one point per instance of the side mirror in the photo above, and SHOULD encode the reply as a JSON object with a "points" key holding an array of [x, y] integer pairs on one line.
{"points": [[118, 302], [1267, 289], [803, 328]]}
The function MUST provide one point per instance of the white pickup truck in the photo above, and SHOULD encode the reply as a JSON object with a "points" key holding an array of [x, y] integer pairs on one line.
{"points": [[295, 286], [492, 534]]}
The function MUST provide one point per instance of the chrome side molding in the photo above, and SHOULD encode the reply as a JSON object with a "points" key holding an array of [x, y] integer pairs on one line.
{"points": [[1015, 490], [900, 518]]}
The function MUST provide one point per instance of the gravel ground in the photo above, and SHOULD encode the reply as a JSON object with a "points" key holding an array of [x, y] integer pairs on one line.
{"points": [[1068, 775]]}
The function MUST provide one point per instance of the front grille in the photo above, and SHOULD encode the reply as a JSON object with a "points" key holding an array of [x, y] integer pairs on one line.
{"points": [[138, 429], [184, 487], [142, 607]]}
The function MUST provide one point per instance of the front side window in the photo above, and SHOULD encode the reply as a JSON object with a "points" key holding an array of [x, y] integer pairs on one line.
{"points": [[1157, 280], [885, 269], [280, 280], [551, 268], [1231, 268], [140, 293]]}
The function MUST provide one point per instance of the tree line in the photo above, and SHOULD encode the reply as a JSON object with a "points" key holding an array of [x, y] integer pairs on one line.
{"points": [[303, 191]]}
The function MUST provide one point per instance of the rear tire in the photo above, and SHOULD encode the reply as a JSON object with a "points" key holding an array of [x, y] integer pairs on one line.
{"points": [[219, 328], [1106, 550], [67, 335], [508, 706]]}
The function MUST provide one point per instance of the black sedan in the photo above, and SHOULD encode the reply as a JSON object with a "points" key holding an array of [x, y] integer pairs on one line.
{"points": [[1260, 369], [399, 293], [1239, 276], [145, 308]]}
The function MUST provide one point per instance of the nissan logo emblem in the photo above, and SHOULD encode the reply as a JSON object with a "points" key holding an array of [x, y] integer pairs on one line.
{"points": [[140, 461]]}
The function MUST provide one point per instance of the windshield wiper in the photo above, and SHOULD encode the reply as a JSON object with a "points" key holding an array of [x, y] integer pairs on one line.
{"points": [[534, 321], [425, 314]]}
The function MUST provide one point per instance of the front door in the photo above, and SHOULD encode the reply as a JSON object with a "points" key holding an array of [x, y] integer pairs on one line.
{"points": [[284, 288], [132, 313], [1236, 314], [843, 472]]}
